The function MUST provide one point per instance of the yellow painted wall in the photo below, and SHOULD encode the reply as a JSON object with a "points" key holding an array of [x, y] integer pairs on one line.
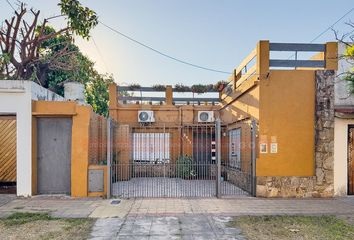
{"points": [[287, 114], [80, 141], [80, 151], [243, 106]]}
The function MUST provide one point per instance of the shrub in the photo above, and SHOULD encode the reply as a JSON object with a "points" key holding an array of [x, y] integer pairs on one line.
{"points": [[185, 168]]}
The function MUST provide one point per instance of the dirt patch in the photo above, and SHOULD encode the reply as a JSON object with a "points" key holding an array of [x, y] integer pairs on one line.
{"points": [[42, 226], [294, 227]]}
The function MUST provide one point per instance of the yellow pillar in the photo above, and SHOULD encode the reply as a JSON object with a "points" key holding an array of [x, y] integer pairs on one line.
{"points": [[80, 151], [262, 59], [169, 95], [331, 56]]}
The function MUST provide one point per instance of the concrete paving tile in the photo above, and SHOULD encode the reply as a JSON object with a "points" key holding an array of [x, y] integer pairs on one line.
{"points": [[166, 237], [164, 230]]}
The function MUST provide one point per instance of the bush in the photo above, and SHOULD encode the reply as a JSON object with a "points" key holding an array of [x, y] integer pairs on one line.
{"points": [[185, 168]]}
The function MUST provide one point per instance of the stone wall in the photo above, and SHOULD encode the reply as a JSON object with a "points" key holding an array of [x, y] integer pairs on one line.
{"points": [[321, 184], [236, 177]]}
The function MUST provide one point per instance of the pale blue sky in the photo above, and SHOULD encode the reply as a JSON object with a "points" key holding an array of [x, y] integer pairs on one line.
{"points": [[216, 34]]}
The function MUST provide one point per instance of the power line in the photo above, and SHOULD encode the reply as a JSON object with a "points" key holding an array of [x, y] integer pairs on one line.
{"points": [[8, 2], [99, 53], [330, 27], [327, 29], [163, 54]]}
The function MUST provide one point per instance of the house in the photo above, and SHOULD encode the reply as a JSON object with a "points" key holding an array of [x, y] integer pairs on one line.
{"points": [[49, 144], [270, 132], [343, 126], [281, 109]]}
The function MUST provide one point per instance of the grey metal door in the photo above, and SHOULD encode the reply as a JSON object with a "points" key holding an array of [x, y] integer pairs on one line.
{"points": [[54, 155]]}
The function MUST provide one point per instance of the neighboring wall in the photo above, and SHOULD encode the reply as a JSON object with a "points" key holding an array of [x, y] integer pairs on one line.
{"points": [[344, 100], [341, 155], [16, 98]]}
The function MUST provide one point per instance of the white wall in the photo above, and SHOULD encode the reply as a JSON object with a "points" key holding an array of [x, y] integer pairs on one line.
{"points": [[341, 89], [16, 98], [341, 155], [343, 99]]}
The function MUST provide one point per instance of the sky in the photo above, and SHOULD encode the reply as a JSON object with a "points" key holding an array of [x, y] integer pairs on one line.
{"points": [[215, 34]]}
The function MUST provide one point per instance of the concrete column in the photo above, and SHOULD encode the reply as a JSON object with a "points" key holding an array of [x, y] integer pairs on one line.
{"points": [[169, 95], [262, 59], [331, 56]]}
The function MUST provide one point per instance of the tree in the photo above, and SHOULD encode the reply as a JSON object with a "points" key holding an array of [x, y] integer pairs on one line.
{"points": [[97, 93], [349, 54], [21, 41], [40, 53], [82, 70]]}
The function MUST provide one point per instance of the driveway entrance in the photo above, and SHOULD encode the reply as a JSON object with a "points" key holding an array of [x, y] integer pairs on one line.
{"points": [[167, 160]]}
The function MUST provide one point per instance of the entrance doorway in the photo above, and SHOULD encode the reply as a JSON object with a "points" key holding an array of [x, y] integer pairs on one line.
{"points": [[54, 155]]}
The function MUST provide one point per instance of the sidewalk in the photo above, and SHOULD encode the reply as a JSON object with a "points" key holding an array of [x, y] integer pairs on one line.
{"points": [[102, 208]]}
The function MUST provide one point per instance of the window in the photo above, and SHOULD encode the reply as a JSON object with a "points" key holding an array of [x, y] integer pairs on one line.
{"points": [[235, 148], [151, 147]]}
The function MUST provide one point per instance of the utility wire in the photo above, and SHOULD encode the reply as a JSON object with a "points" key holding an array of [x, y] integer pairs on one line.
{"points": [[327, 29], [163, 54], [99, 53], [8, 2], [330, 27]]}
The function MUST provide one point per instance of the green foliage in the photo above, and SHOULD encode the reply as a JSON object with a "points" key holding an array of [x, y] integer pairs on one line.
{"points": [[79, 68], [159, 87], [349, 53], [26, 217], [200, 88], [185, 167], [97, 93], [134, 86], [349, 76], [80, 19], [182, 88]]}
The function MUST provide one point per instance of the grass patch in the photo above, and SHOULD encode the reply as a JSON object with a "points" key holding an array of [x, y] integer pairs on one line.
{"points": [[25, 217], [294, 227], [43, 226]]}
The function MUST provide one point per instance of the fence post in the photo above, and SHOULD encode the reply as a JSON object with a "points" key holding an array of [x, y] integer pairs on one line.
{"points": [[253, 154], [109, 147], [218, 157]]}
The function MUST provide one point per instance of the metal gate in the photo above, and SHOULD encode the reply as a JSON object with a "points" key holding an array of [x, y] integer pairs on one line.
{"points": [[166, 160]]}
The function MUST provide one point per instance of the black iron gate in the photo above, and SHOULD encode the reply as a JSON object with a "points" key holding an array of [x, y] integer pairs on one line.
{"points": [[165, 160]]}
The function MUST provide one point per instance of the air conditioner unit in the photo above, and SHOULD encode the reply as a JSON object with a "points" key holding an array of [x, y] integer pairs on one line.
{"points": [[206, 116], [145, 116]]}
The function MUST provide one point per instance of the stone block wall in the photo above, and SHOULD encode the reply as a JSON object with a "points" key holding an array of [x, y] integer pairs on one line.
{"points": [[236, 177], [321, 184]]}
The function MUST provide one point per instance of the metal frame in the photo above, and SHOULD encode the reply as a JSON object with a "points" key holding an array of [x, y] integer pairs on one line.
{"points": [[128, 178], [152, 89], [163, 99], [297, 63], [297, 47]]}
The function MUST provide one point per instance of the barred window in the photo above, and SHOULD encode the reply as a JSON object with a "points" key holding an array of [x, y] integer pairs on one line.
{"points": [[235, 148], [151, 147]]}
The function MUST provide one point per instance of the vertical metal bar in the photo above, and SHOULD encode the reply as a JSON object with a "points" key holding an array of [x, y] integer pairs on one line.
{"points": [[218, 156], [253, 144], [109, 141]]}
